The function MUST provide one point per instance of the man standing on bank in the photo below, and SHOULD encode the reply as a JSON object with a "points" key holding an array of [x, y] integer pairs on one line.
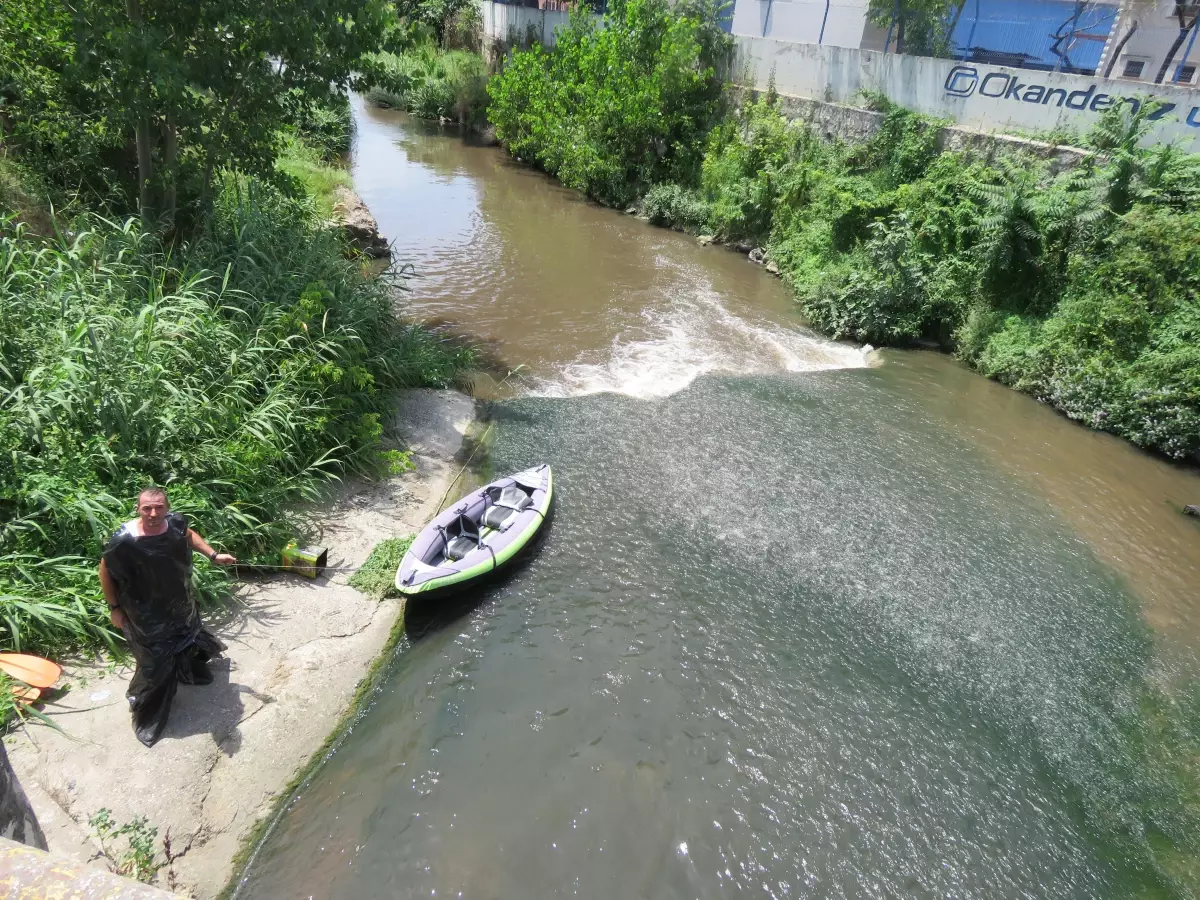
{"points": [[146, 574]]}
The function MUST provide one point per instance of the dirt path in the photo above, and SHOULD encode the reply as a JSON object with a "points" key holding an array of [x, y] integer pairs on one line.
{"points": [[297, 651]]}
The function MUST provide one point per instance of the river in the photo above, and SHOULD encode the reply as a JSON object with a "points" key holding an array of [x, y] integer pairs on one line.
{"points": [[808, 622]]}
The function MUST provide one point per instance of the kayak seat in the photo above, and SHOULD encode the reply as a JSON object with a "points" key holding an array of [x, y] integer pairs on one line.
{"points": [[499, 517], [462, 536], [511, 497], [503, 505]]}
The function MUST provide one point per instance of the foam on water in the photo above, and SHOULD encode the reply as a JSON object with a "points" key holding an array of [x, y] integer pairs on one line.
{"points": [[693, 337]]}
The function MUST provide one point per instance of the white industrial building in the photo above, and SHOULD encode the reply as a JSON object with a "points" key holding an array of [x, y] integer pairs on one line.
{"points": [[1152, 41]]}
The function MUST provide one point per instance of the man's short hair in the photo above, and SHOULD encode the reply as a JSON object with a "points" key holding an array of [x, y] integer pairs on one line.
{"points": [[152, 492]]}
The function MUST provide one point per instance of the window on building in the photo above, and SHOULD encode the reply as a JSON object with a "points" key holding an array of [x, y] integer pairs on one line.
{"points": [[1186, 74], [1133, 68]]}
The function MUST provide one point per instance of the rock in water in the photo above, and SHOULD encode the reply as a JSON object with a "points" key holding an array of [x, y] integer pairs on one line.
{"points": [[360, 226], [757, 255], [1192, 511], [772, 268], [704, 240]]}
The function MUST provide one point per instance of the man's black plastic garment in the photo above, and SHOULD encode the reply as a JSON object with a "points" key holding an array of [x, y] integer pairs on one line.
{"points": [[152, 575]]}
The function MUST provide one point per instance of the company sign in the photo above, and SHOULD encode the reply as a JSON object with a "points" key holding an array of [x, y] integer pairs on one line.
{"points": [[968, 81]]}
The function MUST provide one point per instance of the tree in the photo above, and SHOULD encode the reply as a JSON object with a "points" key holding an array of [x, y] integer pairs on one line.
{"points": [[174, 91], [922, 27], [437, 15]]}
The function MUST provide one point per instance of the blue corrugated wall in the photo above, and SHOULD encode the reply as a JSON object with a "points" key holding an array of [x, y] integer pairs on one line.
{"points": [[1028, 27]]}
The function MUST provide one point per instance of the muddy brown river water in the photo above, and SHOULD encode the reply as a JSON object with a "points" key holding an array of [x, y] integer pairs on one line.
{"points": [[807, 623]]}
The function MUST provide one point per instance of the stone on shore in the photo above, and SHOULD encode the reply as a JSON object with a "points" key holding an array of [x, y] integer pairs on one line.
{"points": [[360, 226]]}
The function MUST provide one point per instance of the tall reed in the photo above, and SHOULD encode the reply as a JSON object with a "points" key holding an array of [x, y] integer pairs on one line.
{"points": [[242, 371]]}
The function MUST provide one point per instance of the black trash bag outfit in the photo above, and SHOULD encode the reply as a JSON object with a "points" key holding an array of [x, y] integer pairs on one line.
{"points": [[152, 574]]}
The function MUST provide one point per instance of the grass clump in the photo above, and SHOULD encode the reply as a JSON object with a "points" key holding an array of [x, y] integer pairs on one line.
{"points": [[432, 83], [242, 370], [318, 178], [377, 576]]}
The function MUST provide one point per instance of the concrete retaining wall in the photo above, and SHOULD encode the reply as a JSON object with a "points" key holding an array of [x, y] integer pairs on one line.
{"points": [[979, 97], [834, 121]]}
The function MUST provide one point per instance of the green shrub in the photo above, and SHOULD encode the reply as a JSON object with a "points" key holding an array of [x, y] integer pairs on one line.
{"points": [[676, 207], [317, 178], [1121, 350], [327, 128], [242, 372], [745, 170], [432, 83], [612, 111]]}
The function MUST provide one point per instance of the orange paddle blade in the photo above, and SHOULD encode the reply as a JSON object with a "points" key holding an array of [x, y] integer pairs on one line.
{"points": [[30, 669], [26, 694]]}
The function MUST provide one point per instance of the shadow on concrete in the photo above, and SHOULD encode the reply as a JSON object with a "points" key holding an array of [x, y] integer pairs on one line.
{"points": [[215, 709]]}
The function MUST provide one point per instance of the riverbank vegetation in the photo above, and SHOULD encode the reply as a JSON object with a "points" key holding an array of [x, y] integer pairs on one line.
{"points": [[433, 83], [174, 306], [1077, 287], [433, 69], [613, 111]]}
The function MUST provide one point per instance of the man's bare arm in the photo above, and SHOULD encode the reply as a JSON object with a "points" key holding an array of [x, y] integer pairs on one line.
{"points": [[110, 595], [200, 545]]}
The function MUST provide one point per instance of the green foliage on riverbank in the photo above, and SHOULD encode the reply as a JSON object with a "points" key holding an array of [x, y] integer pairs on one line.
{"points": [[1079, 288], [243, 370], [318, 177], [225, 347], [141, 105], [612, 111], [432, 83]]}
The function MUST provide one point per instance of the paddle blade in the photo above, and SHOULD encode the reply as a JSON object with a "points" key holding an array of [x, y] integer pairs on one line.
{"points": [[32, 670], [25, 694]]}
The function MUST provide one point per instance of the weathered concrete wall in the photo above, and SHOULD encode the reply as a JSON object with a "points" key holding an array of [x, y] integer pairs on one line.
{"points": [[838, 23], [979, 97], [835, 121]]}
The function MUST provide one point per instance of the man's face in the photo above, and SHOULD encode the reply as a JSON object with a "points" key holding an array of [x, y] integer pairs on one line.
{"points": [[152, 510]]}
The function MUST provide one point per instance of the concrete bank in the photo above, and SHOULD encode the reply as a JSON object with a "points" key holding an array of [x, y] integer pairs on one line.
{"points": [[297, 651]]}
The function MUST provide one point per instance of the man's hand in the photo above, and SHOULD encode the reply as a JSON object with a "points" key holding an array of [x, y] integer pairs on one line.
{"points": [[117, 617], [200, 545]]}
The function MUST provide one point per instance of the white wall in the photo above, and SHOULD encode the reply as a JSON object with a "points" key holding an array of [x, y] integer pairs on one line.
{"points": [[987, 98], [802, 20], [502, 22], [1157, 30]]}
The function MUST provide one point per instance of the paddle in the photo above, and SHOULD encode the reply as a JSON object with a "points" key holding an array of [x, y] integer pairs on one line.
{"points": [[26, 694], [33, 670]]}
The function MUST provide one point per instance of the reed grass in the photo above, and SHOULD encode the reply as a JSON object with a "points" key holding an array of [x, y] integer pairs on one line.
{"points": [[243, 371], [433, 83]]}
